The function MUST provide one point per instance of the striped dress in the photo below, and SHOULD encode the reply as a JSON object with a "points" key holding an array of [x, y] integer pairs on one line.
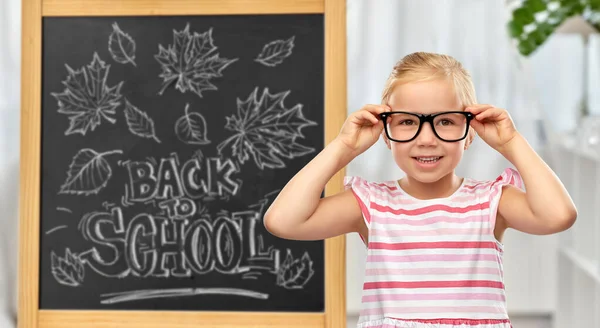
{"points": [[433, 263]]}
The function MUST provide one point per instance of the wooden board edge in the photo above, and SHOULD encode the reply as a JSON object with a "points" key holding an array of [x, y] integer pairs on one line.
{"points": [[179, 7], [29, 202], [29, 192], [335, 115], [176, 319]]}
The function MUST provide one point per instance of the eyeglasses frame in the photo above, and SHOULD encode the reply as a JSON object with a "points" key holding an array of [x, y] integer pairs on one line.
{"points": [[425, 118]]}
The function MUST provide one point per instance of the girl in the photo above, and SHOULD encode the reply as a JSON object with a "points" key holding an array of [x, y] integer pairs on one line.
{"points": [[434, 239]]}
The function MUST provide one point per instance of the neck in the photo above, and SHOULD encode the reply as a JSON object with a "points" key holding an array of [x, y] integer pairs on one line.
{"points": [[444, 187]]}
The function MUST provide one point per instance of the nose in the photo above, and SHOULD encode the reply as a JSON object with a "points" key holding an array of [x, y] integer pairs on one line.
{"points": [[426, 136]]}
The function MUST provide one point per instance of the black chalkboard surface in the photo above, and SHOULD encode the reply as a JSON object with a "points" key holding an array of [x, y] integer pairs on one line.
{"points": [[164, 140]]}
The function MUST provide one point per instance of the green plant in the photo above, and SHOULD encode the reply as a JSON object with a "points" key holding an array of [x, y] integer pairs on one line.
{"points": [[533, 21]]}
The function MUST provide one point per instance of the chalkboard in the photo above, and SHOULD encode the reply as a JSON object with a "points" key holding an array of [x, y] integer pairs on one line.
{"points": [[164, 140]]}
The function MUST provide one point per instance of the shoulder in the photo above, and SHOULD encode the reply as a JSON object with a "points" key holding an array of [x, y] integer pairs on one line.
{"points": [[355, 182], [509, 176], [367, 190]]}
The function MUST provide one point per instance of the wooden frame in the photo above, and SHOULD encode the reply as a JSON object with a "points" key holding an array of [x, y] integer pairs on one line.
{"points": [[335, 112]]}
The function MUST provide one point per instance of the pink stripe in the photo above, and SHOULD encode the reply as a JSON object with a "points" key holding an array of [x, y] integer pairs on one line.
{"points": [[434, 245], [397, 192], [433, 284], [385, 186], [431, 220], [431, 271], [434, 297], [436, 232], [433, 309], [462, 321], [481, 185], [428, 209], [432, 257]]}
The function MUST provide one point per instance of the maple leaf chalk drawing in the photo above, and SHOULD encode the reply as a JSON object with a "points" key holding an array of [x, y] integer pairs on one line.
{"points": [[191, 62], [295, 273], [139, 122], [191, 128], [266, 130], [67, 270], [121, 46], [88, 172], [86, 98], [273, 53]]}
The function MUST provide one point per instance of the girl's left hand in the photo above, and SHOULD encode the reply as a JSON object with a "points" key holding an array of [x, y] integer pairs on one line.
{"points": [[493, 125]]}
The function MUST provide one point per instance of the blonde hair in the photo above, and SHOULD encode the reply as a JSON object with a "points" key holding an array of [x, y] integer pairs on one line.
{"points": [[425, 66]]}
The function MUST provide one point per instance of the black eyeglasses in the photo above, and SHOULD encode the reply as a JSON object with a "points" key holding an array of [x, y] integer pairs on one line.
{"points": [[449, 126]]}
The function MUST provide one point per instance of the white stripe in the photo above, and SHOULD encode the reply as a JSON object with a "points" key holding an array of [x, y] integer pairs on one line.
{"points": [[433, 238], [425, 304], [433, 277], [485, 226], [437, 213], [434, 264]]}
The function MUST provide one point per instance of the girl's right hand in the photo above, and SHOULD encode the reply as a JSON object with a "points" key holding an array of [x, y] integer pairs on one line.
{"points": [[362, 128]]}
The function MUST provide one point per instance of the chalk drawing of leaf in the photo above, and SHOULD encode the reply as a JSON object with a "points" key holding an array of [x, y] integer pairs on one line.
{"points": [[121, 46], [138, 122], [266, 130], [69, 270], [86, 98], [191, 128], [273, 53], [295, 273], [191, 62], [88, 172]]}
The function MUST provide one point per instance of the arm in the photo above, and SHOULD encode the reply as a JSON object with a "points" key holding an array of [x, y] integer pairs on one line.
{"points": [[299, 213], [545, 207]]}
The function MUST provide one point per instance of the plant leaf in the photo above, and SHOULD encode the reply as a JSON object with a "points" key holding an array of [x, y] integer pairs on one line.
{"points": [[190, 62], [294, 274], [273, 53], [86, 98], [138, 122], [266, 130], [191, 128], [88, 173], [121, 46], [69, 270]]}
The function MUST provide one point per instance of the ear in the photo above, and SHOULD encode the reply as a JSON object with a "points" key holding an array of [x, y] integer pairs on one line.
{"points": [[470, 137]]}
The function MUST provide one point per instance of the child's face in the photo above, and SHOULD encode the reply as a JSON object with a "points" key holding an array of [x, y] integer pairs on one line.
{"points": [[426, 98]]}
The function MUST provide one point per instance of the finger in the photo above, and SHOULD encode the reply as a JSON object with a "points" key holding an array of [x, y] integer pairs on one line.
{"points": [[377, 109], [364, 115], [477, 108], [477, 126], [489, 114]]}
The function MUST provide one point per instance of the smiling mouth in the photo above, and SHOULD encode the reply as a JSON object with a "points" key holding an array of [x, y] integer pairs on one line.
{"points": [[428, 160]]}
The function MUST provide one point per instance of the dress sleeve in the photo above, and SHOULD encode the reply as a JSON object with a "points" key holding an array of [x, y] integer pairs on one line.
{"points": [[509, 176], [362, 192]]}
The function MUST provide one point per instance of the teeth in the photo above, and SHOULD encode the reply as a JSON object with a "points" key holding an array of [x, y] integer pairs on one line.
{"points": [[428, 159]]}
